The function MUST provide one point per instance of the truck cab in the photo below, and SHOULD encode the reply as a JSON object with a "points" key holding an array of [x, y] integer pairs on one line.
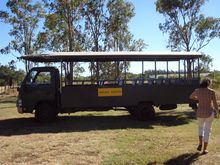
{"points": [[39, 91]]}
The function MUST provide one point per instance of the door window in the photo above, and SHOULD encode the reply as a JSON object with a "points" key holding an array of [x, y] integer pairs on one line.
{"points": [[37, 78], [43, 78]]}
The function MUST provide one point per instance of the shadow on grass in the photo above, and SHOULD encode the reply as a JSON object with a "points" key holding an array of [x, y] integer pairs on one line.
{"points": [[173, 118], [21, 126], [183, 159]]}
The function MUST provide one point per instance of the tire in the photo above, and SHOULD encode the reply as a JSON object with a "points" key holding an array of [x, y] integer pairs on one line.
{"points": [[45, 113], [145, 111]]}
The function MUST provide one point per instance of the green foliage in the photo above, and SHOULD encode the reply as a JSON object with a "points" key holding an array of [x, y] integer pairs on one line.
{"points": [[62, 26], [23, 17], [106, 26], [207, 27], [118, 36], [74, 25], [188, 29], [205, 63], [62, 30], [95, 21], [9, 75]]}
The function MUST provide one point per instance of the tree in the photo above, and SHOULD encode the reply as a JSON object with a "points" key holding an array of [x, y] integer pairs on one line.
{"points": [[12, 65], [206, 62], [9, 75], [95, 20], [63, 30], [24, 18], [120, 13], [118, 37], [106, 26], [188, 29], [62, 25]]}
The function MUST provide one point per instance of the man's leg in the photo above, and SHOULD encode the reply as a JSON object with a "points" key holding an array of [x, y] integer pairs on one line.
{"points": [[207, 132], [201, 122]]}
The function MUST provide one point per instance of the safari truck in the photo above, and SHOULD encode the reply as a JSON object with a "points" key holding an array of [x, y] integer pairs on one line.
{"points": [[49, 90]]}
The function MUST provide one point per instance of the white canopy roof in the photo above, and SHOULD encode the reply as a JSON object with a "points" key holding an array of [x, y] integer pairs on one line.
{"points": [[110, 56]]}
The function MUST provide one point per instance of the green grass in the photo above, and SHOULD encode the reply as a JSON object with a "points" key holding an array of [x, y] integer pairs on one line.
{"points": [[111, 137]]}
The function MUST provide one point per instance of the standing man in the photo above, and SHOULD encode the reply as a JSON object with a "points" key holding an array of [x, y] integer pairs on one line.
{"points": [[207, 108]]}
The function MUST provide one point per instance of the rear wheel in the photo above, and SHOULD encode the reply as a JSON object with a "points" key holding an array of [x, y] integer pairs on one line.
{"points": [[45, 112], [145, 111]]}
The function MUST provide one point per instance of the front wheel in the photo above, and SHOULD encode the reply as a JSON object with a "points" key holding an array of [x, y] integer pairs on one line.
{"points": [[45, 112]]}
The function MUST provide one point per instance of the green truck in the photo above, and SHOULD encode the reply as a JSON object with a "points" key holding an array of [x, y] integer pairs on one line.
{"points": [[47, 91]]}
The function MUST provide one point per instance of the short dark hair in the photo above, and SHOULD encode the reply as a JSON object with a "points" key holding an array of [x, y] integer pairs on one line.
{"points": [[205, 82]]}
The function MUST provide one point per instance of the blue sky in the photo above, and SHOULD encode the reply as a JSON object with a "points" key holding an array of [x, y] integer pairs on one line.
{"points": [[144, 25]]}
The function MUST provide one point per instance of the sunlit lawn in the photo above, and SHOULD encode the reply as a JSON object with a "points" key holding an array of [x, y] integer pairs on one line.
{"points": [[111, 137]]}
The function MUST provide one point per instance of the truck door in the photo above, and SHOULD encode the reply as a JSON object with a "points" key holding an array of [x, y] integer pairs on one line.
{"points": [[39, 86]]}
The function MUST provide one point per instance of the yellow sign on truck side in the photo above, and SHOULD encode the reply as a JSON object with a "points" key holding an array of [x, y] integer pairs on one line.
{"points": [[105, 92]]}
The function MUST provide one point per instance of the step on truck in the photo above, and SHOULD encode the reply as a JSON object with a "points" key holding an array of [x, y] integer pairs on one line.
{"points": [[49, 90]]}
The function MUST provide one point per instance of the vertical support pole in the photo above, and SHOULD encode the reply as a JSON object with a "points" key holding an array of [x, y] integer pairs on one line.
{"points": [[167, 69], [61, 76], [155, 67], [97, 71], [65, 72], [198, 69], [26, 66], [71, 73], [125, 65], [142, 68], [91, 71], [193, 67], [179, 68], [184, 69], [117, 68]]}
